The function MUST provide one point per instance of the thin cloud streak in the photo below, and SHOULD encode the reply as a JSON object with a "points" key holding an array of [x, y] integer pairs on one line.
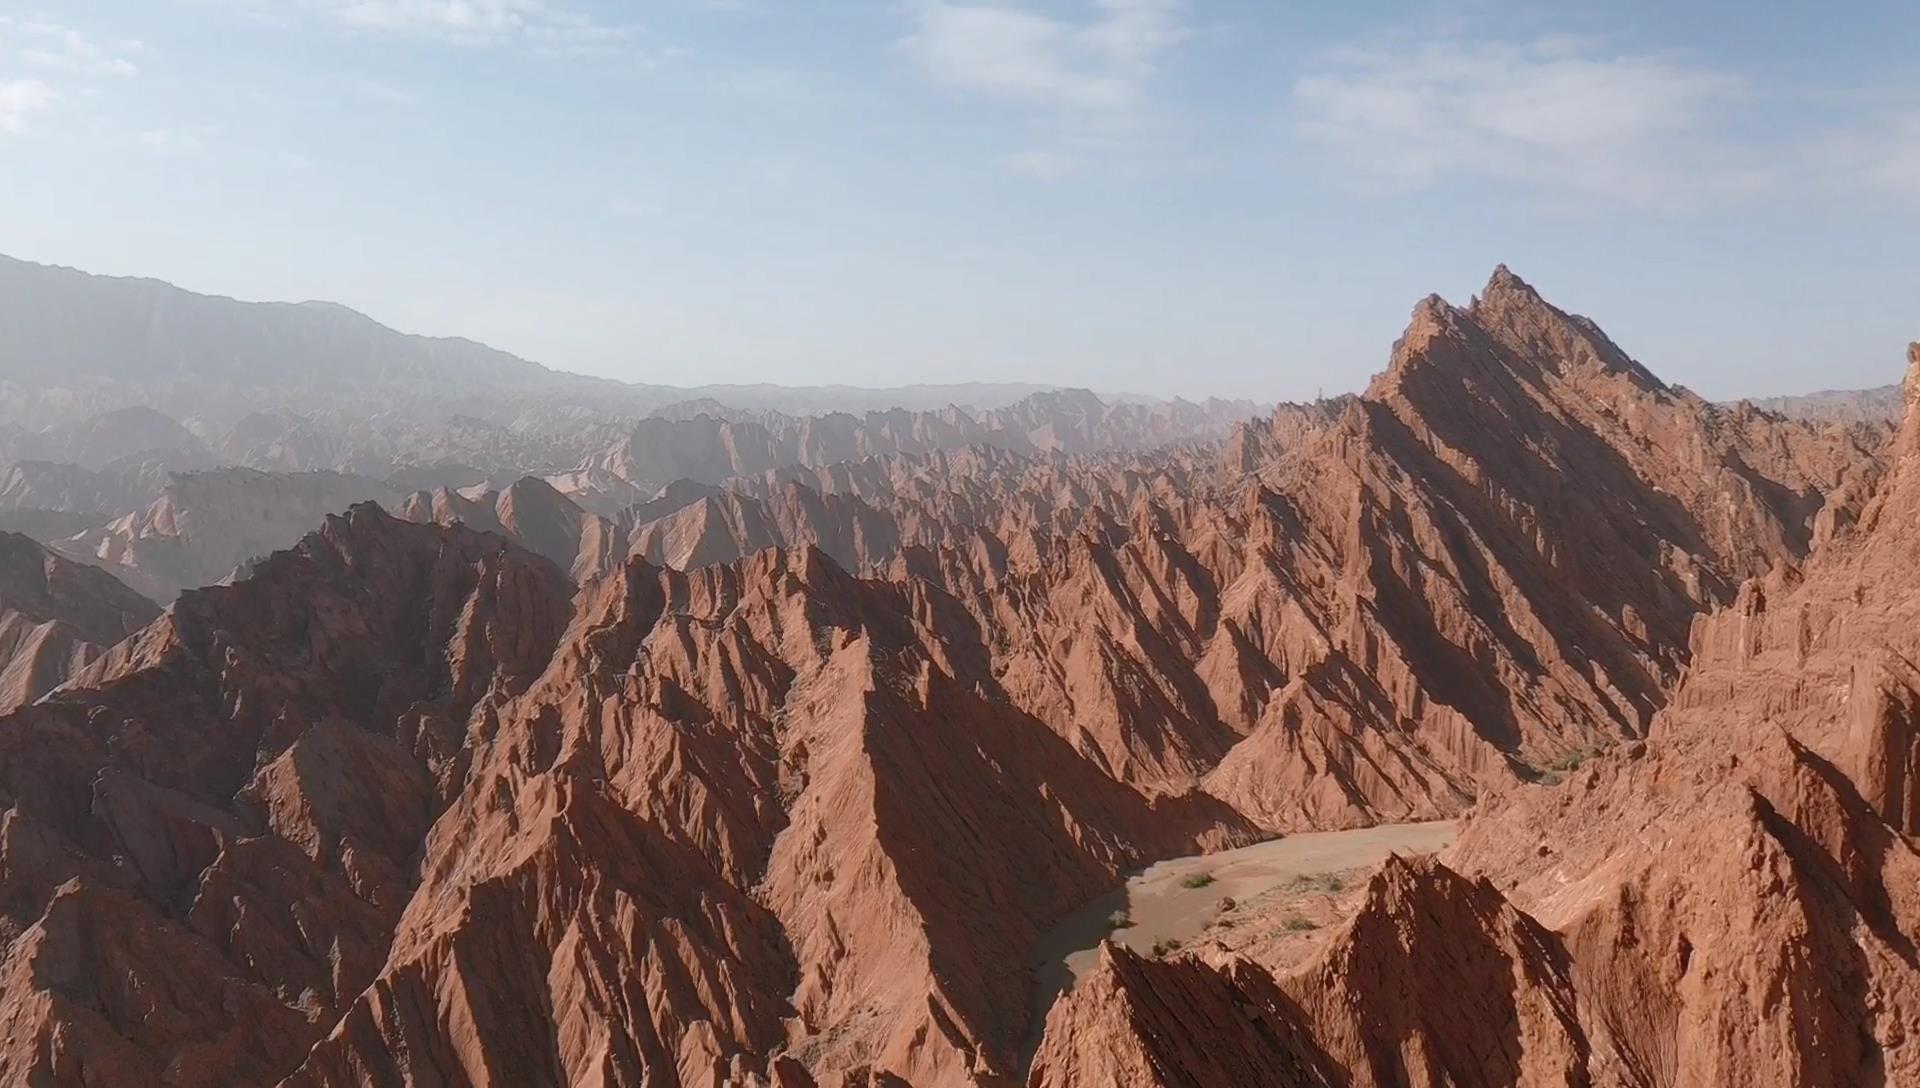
{"points": [[1556, 114], [1013, 54]]}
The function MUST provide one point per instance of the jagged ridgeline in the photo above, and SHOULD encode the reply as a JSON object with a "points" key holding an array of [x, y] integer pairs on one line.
{"points": [[767, 750]]}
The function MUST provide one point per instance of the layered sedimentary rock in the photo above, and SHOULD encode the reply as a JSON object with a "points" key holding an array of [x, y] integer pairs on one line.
{"points": [[1732, 901], [779, 777], [208, 836], [1465, 591], [750, 809]]}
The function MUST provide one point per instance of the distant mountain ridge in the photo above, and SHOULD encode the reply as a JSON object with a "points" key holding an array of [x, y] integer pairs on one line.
{"points": [[1880, 404], [74, 344]]}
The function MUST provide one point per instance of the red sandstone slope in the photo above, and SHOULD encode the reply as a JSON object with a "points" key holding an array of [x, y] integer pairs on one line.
{"points": [[372, 816], [207, 837], [1402, 607], [1687, 919], [1735, 901], [1405, 605], [1502, 544], [532, 514], [55, 617], [749, 809]]}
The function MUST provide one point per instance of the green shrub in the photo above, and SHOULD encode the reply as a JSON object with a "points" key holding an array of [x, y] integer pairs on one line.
{"points": [[1197, 880], [1570, 762], [1297, 924], [1318, 882], [1119, 919]]}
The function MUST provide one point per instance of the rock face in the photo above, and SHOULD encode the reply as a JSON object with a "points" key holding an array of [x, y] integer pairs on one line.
{"points": [[1733, 901], [778, 772], [1463, 590], [56, 617], [1436, 980], [207, 836], [676, 847], [532, 514]]}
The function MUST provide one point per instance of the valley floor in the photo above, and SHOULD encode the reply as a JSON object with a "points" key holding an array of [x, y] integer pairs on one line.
{"points": [[1172, 902]]}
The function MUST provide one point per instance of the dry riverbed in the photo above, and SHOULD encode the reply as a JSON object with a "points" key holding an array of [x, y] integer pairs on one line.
{"points": [[1171, 903]]}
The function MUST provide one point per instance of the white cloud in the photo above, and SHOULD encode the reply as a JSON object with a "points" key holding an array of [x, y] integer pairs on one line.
{"points": [[1099, 64], [540, 23], [1558, 114], [21, 100], [60, 48]]}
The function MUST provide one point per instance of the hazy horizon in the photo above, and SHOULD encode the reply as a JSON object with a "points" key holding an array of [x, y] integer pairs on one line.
{"points": [[1139, 196]]}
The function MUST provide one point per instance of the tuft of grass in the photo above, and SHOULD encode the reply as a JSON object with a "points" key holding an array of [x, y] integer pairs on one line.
{"points": [[1318, 882], [1197, 880], [1119, 919], [1570, 762], [1297, 924]]}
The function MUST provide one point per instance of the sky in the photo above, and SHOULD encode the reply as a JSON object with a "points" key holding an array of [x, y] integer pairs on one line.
{"points": [[1174, 197]]}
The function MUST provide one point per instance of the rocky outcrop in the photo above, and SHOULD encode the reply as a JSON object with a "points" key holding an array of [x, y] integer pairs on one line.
{"points": [[532, 514], [1460, 589], [834, 721], [1436, 980], [1379, 607], [682, 840], [1683, 918], [1730, 901], [56, 617], [207, 833]]}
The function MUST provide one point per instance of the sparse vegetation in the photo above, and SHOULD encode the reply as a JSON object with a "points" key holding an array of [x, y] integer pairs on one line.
{"points": [[1119, 919], [1197, 880], [1162, 948], [1556, 772], [1329, 883], [1297, 924], [1571, 761]]}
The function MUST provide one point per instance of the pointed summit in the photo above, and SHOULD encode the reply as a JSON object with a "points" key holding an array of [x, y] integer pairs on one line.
{"points": [[1505, 282], [1517, 316], [1507, 293]]}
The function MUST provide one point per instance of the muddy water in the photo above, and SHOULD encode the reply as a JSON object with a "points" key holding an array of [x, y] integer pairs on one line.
{"points": [[1162, 909]]}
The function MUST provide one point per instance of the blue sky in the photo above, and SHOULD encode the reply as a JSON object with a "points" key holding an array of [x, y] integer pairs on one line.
{"points": [[1165, 196]]}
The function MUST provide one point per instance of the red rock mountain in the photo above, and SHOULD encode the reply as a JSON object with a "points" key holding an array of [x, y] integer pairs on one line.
{"points": [[783, 780], [1731, 902], [210, 834], [56, 616]]}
